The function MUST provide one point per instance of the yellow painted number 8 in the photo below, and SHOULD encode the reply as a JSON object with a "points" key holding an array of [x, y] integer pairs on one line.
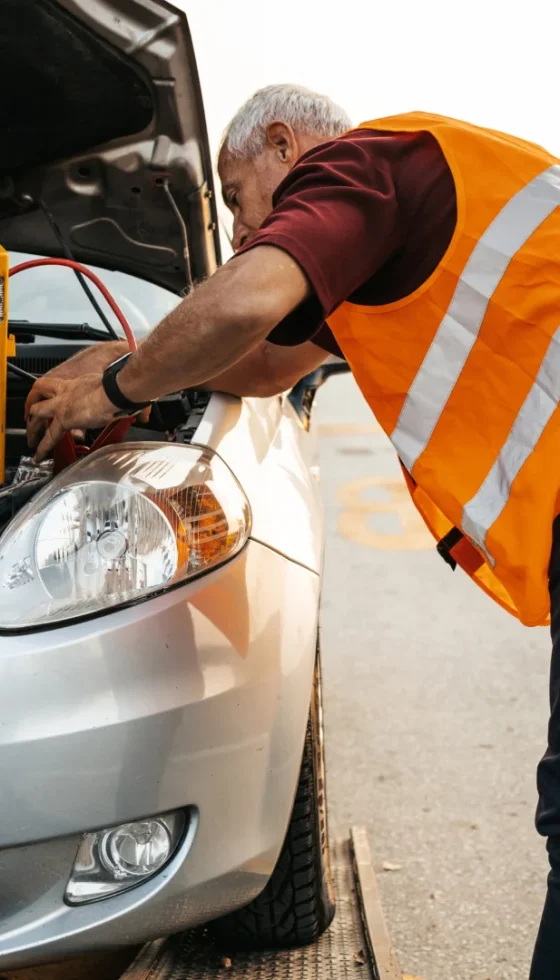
{"points": [[393, 498]]}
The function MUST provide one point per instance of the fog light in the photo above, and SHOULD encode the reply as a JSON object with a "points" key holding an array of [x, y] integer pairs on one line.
{"points": [[135, 849], [113, 860]]}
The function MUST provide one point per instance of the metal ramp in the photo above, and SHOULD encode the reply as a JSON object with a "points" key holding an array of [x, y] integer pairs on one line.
{"points": [[356, 947]]}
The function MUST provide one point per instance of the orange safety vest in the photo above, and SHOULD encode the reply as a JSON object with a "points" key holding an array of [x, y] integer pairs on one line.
{"points": [[464, 374]]}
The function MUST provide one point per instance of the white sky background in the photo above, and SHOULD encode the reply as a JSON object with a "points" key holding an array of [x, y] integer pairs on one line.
{"points": [[494, 63]]}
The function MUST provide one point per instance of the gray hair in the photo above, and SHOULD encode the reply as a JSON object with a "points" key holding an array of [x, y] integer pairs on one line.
{"points": [[302, 109]]}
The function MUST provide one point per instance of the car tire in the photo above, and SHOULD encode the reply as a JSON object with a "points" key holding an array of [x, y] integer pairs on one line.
{"points": [[297, 905]]}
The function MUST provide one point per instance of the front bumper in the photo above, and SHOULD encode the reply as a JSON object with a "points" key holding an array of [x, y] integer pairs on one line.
{"points": [[199, 699]]}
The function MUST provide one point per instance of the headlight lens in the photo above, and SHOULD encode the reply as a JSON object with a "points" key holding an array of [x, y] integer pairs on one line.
{"points": [[116, 859], [118, 526], [102, 539]]}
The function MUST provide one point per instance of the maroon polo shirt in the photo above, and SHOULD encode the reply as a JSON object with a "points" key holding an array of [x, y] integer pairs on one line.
{"points": [[367, 217]]}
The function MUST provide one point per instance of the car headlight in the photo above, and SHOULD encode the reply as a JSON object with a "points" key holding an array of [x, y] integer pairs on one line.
{"points": [[118, 526]]}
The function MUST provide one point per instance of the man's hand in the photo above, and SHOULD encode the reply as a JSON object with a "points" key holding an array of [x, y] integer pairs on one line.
{"points": [[92, 360], [67, 405]]}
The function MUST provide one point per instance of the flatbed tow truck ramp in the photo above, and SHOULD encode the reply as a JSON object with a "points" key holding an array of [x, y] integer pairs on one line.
{"points": [[356, 947]]}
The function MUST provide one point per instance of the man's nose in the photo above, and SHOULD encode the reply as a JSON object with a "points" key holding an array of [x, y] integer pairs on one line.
{"points": [[240, 236]]}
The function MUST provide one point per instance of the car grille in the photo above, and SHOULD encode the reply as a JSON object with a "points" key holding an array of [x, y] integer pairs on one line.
{"points": [[40, 359]]}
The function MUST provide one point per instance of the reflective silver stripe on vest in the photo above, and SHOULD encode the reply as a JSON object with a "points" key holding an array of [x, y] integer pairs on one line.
{"points": [[537, 409], [459, 329]]}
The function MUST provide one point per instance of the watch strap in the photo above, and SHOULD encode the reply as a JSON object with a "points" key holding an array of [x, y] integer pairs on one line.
{"points": [[114, 393]]}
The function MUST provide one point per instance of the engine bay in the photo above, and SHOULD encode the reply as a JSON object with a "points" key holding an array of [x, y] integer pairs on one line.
{"points": [[29, 351], [174, 418]]}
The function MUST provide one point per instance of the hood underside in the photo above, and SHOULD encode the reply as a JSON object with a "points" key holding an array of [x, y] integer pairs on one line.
{"points": [[104, 129]]}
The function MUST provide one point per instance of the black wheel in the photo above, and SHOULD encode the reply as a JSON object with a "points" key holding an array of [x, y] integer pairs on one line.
{"points": [[297, 905]]}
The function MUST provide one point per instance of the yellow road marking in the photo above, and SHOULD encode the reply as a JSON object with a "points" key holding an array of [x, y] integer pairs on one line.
{"points": [[352, 521]]}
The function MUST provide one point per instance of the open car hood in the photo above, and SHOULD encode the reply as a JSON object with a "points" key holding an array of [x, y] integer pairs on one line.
{"points": [[103, 127]]}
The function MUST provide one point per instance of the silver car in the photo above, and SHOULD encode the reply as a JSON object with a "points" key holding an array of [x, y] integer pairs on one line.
{"points": [[160, 718]]}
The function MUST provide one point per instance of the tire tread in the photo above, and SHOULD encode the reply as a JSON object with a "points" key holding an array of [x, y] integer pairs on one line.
{"points": [[297, 904]]}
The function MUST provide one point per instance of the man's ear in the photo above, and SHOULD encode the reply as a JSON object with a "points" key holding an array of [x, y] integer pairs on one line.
{"points": [[281, 138]]}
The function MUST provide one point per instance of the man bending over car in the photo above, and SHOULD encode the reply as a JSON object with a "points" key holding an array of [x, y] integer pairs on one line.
{"points": [[425, 251]]}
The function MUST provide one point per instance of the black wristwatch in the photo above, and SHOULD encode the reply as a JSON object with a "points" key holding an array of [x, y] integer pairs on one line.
{"points": [[114, 393]]}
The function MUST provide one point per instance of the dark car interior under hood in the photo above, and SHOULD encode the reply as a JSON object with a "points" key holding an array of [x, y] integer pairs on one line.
{"points": [[103, 124]]}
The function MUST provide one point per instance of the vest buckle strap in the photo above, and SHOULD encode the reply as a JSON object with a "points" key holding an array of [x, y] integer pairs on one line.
{"points": [[446, 544]]}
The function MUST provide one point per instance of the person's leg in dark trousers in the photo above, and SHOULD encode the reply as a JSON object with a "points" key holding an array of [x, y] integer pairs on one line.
{"points": [[546, 958]]}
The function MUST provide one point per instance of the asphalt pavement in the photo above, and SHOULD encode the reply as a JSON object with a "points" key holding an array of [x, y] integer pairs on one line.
{"points": [[436, 713]]}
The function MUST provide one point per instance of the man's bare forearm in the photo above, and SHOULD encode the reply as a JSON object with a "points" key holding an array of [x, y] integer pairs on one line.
{"points": [[268, 370], [218, 324]]}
